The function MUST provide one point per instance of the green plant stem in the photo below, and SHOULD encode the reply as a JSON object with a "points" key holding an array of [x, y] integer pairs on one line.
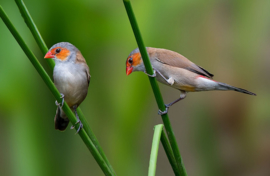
{"points": [[154, 150], [169, 152], [33, 28], [154, 85], [55, 92], [38, 38], [159, 135]]}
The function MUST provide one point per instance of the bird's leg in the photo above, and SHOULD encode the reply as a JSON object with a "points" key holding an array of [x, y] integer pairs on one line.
{"points": [[79, 121], [169, 81], [154, 74], [62, 103], [182, 96]]}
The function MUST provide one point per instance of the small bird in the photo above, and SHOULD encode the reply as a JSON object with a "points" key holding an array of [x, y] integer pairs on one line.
{"points": [[71, 77], [175, 70]]}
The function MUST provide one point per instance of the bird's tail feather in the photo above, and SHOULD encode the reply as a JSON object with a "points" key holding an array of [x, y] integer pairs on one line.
{"points": [[223, 86], [60, 120]]}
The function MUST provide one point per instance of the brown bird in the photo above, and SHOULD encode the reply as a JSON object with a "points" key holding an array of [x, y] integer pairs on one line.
{"points": [[175, 70], [71, 77]]}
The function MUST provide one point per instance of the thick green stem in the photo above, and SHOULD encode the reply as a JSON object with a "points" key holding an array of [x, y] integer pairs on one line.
{"points": [[55, 92], [34, 30], [154, 85], [169, 153]]}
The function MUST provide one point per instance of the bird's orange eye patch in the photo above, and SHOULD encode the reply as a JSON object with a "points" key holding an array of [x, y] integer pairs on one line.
{"points": [[60, 53], [136, 58]]}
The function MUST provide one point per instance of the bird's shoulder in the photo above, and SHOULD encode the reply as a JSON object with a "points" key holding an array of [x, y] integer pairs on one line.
{"points": [[79, 58]]}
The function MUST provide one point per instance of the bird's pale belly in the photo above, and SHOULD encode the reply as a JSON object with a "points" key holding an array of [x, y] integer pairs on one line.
{"points": [[188, 81], [74, 87], [180, 82]]}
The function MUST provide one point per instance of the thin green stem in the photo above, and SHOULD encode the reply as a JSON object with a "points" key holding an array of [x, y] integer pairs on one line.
{"points": [[169, 153], [154, 85], [34, 30], [55, 92], [154, 150]]}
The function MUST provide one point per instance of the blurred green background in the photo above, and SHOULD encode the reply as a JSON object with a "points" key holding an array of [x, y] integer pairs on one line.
{"points": [[218, 133]]}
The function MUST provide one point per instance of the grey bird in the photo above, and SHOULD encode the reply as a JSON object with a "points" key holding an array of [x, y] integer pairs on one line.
{"points": [[71, 77]]}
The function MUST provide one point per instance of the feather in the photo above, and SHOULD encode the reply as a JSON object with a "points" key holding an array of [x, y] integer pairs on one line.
{"points": [[177, 60]]}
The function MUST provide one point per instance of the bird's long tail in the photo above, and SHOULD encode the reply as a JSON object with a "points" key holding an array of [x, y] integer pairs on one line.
{"points": [[223, 86], [60, 120]]}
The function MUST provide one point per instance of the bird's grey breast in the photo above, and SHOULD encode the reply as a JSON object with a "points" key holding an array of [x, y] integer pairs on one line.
{"points": [[71, 80]]}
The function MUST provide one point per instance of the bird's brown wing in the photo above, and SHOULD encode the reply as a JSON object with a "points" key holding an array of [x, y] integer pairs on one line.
{"points": [[177, 60], [80, 59], [88, 74]]}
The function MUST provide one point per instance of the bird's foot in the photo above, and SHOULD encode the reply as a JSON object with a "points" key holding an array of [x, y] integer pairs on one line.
{"points": [[79, 121], [80, 127], [62, 103], [164, 112], [154, 74]]}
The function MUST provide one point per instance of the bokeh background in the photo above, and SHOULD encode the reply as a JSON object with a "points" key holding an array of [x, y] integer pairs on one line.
{"points": [[218, 133]]}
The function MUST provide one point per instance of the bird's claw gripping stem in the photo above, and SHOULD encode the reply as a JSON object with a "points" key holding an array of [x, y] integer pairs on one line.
{"points": [[154, 74], [62, 103], [79, 121], [163, 112], [80, 127], [169, 81]]}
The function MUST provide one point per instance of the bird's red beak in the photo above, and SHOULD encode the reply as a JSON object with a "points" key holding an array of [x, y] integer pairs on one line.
{"points": [[129, 70], [49, 55]]}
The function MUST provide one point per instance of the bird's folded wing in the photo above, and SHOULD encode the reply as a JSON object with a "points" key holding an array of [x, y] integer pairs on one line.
{"points": [[177, 60], [88, 74], [80, 59]]}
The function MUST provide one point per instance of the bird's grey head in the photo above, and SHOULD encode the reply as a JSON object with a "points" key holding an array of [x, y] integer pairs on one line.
{"points": [[63, 52], [134, 62]]}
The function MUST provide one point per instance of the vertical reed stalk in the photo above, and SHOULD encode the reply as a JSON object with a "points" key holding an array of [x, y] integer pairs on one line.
{"points": [[154, 85], [154, 150], [159, 135], [169, 153]]}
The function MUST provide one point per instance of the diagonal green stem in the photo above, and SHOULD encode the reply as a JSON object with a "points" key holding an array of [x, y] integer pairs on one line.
{"points": [[169, 152], [34, 30], [55, 92], [154, 85]]}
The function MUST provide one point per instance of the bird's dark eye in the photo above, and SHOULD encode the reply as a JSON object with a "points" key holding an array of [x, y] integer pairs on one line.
{"points": [[58, 50], [130, 60]]}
